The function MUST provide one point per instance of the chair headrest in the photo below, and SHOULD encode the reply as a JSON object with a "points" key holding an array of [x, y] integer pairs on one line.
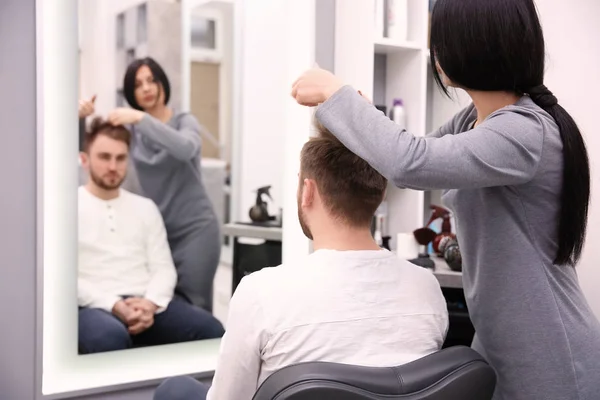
{"points": [[386, 381]]}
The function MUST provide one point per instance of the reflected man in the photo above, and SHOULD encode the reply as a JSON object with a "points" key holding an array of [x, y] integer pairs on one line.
{"points": [[126, 276]]}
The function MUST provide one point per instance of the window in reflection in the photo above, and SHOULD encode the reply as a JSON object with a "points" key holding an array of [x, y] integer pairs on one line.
{"points": [[142, 24], [120, 31], [203, 33]]}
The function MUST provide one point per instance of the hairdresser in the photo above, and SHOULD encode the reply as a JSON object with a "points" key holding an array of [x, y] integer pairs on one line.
{"points": [[165, 156], [515, 171]]}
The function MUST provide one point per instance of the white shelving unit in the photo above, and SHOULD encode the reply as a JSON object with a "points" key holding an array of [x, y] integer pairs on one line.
{"points": [[402, 70]]}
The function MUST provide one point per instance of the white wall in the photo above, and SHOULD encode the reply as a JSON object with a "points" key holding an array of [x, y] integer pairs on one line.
{"points": [[573, 59], [262, 117]]}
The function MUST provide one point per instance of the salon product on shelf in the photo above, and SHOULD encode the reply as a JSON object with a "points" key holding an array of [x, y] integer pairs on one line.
{"points": [[380, 223], [397, 20], [407, 247], [385, 242], [379, 18], [424, 236], [259, 211], [445, 234], [452, 255], [398, 113]]}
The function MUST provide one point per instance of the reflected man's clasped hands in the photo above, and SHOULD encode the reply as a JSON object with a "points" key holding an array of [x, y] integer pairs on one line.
{"points": [[135, 312]]}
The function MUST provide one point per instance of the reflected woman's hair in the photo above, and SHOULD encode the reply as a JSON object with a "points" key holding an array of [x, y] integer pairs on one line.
{"points": [[129, 82]]}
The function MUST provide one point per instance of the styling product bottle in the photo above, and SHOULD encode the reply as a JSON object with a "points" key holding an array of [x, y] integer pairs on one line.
{"points": [[398, 113], [380, 223], [397, 20], [379, 19]]}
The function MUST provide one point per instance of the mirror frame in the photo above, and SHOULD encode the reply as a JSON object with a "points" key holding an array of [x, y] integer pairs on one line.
{"points": [[60, 371]]}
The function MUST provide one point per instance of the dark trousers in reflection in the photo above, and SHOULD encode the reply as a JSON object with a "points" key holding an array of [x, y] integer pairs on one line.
{"points": [[100, 331], [181, 388]]}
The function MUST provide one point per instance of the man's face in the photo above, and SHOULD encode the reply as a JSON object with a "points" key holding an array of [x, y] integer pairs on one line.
{"points": [[301, 216], [106, 162]]}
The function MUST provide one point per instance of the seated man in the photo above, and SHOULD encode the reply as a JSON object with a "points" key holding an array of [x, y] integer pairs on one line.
{"points": [[126, 276], [348, 302]]}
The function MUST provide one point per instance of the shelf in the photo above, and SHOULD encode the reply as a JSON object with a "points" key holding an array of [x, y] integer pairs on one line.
{"points": [[388, 46]]}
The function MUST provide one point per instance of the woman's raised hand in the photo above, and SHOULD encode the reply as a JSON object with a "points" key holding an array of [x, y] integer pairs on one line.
{"points": [[125, 116], [86, 107], [315, 86]]}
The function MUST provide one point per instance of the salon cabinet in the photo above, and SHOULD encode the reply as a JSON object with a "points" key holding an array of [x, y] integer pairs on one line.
{"points": [[255, 246]]}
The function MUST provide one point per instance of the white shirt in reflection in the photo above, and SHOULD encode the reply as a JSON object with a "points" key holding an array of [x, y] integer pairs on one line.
{"points": [[123, 251], [365, 308]]}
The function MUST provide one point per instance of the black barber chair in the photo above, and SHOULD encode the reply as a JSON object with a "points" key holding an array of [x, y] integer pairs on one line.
{"points": [[454, 373]]}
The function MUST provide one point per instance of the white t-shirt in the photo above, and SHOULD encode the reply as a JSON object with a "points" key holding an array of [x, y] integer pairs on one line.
{"points": [[123, 250], [365, 308]]}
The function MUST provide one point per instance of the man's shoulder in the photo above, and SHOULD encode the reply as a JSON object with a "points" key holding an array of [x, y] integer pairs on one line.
{"points": [[271, 282], [136, 199], [267, 275]]}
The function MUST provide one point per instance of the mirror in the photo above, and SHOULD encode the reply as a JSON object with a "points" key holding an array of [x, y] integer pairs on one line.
{"points": [[156, 141]]}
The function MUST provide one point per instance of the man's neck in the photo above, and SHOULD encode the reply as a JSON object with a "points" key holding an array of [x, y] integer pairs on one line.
{"points": [[102, 193], [344, 239], [488, 102]]}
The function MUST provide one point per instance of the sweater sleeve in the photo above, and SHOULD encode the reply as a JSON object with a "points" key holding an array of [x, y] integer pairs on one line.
{"points": [[452, 127], [183, 143], [504, 150]]}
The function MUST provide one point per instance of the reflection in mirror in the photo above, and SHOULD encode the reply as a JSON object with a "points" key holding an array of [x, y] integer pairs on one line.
{"points": [[151, 201]]}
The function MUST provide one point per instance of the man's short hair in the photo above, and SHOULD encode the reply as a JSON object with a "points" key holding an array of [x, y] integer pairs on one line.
{"points": [[350, 188], [99, 126]]}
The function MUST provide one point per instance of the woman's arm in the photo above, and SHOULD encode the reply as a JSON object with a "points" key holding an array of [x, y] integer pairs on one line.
{"points": [[183, 143], [452, 127], [504, 150]]}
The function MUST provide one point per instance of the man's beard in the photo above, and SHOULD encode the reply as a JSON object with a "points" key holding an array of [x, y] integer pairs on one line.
{"points": [[303, 225], [106, 183]]}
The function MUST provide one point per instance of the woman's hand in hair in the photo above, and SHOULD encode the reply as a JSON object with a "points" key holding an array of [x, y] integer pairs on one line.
{"points": [[125, 116], [315, 86], [86, 107]]}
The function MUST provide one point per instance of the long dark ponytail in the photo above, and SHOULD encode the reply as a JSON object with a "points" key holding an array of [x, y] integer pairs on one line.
{"points": [[575, 194], [498, 45]]}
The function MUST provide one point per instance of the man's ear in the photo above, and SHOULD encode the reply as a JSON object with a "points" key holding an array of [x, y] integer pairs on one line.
{"points": [[308, 192], [84, 159]]}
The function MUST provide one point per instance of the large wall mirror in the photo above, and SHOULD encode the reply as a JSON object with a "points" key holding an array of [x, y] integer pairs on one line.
{"points": [[155, 117]]}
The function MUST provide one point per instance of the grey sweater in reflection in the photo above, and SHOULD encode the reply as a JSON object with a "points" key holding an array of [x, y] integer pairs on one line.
{"points": [[503, 180], [165, 161], [166, 157]]}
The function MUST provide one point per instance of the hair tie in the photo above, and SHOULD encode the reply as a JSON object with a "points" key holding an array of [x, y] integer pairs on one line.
{"points": [[542, 96]]}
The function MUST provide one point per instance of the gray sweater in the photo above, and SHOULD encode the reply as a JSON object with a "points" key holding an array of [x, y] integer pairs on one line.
{"points": [[166, 168], [503, 181]]}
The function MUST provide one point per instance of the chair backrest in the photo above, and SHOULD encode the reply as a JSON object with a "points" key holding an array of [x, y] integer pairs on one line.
{"points": [[455, 373]]}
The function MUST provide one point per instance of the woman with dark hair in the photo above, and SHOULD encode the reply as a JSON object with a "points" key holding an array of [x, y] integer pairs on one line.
{"points": [[515, 171], [165, 156]]}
